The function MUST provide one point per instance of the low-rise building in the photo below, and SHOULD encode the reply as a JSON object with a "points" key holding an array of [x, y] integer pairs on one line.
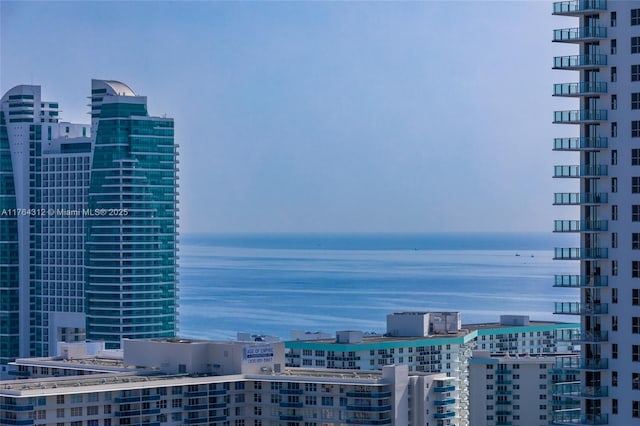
{"points": [[177, 382]]}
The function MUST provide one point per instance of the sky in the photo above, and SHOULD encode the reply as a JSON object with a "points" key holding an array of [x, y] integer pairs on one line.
{"points": [[421, 116]]}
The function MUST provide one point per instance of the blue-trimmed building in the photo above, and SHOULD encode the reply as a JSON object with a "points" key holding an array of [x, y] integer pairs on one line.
{"points": [[433, 342]]}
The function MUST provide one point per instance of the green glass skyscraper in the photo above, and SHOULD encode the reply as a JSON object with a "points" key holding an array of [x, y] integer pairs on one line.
{"points": [[131, 241]]}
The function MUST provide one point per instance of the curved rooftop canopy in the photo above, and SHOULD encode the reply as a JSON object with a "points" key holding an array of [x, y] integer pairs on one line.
{"points": [[113, 87]]}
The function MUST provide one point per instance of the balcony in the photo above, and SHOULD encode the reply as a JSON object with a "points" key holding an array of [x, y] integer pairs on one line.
{"points": [[582, 198], [580, 253], [575, 418], [581, 171], [448, 401], [577, 363], [575, 308], [574, 35], [578, 62], [578, 7], [580, 116], [442, 389], [577, 281], [447, 415], [580, 225], [585, 88], [592, 336], [580, 144]]}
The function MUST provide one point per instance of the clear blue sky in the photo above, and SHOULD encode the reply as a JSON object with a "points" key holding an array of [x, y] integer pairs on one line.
{"points": [[324, 116]]}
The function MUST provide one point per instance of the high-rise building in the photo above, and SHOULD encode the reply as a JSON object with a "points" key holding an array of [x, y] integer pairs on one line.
{"points": [[87, 222], [605, 82], [131, 240]]}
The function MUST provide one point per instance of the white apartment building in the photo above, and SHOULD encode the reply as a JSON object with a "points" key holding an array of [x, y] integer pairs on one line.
{"points": [[433, 342], [44, 176], [517, 390], [178, 382], [604, 81]]}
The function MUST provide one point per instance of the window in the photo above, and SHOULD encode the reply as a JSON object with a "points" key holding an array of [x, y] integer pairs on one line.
{"points": [[614, 323], [614, 354], [614, 157], [635, 184], [614, 184], [614, 74], [635, 269], [614, 268], [76, 411], [614, 101], [635, 213], [614, 46], [635, 297], [614, 129], [635, 44], [635, 325], [635, 100], [635, 16], [614, 209], [635, 241], [614, 240], [614, 295], [635, 353], [614, 406], [614, 378], [635, 412], [635, 72], [635, 128]]}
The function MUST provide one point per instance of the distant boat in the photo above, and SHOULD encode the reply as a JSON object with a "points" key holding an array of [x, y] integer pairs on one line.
{"points": [[517, 254]]}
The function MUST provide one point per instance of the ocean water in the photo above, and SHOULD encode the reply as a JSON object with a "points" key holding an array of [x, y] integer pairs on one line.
{"points": [[272, 284]]}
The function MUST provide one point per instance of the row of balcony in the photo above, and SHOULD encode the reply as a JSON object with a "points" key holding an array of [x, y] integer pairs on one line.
{"points": [[580, 226], [574, 416], [577, 308]]}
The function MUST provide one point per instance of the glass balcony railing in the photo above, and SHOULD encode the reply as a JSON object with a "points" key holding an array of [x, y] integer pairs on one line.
{"points": [[577, 363], [579, 34], [577, 144], [574, 62], [576, 308], [579, 116], [580, 225], [577, 7], [574, 198], [593, 336], [581, 281], [580, 89], [580, 253], [579, 171], [575, 418]]}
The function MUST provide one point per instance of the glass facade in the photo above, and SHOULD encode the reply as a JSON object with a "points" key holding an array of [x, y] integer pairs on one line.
{"points": [[9, 280], [131, 239]]}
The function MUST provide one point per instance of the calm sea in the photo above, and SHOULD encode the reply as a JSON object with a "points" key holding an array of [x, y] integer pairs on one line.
{"points": [[272, 284]]}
